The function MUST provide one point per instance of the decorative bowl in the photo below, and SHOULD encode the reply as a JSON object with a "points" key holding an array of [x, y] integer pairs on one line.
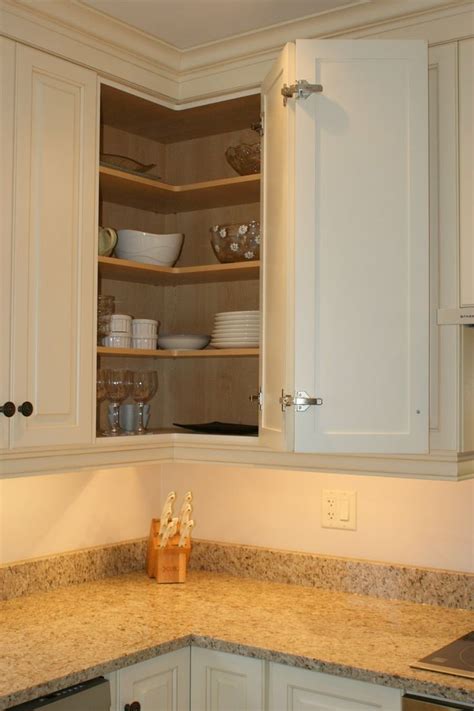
{"points": [[244, 158], [183, 341], [236, 242], [149, 248]]}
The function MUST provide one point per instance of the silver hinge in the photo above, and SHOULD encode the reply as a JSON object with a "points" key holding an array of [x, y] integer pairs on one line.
{"points": [[258, 398], [300, 401], [301, 89], [259, 126]]}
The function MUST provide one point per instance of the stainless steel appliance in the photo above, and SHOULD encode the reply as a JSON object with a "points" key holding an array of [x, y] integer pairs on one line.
{"points": [[418, 703], [91, 695], [455, 658]]}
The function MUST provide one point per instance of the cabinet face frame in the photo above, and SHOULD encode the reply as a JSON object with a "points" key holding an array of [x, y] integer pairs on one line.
{"points": [[7, 103]]}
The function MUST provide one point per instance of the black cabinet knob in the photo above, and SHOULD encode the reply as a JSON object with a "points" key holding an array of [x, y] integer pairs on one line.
{"points": [[26, 408], [134, 706], [8, 409]]}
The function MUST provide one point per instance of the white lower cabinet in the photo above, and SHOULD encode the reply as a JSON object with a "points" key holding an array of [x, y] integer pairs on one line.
{"points": [[159, 684], [226, 682], [292, 689], [194, 679]]}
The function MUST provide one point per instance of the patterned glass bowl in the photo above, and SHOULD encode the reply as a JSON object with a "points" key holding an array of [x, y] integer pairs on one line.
{"points": [[244, 158], [236, 242]]}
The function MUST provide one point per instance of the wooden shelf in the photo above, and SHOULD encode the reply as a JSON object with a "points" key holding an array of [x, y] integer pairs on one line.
{"points": [[135, 191], [206, 353], [126, 270]]}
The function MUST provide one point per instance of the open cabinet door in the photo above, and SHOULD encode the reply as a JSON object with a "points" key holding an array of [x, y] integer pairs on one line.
{"points": [[277, 273], [345, 294], [361, 305]]}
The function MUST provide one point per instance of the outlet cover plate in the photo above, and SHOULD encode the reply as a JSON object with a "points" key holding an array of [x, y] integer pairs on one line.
{"points": [[338, 509]]}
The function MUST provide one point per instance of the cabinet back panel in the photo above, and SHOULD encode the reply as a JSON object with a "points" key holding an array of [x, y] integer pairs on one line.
{"points": [[140, 148]]}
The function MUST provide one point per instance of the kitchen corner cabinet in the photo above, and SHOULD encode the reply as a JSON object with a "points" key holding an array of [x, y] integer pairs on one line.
{"points": [[49, 126], [189, 188]]}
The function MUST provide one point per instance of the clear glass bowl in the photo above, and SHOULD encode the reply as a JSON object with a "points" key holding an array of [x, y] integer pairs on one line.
{"points": [[244, 158], [236, 242]]}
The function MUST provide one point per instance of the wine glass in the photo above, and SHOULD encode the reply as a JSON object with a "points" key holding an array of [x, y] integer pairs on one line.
{"points": [[117, 387], [101, 392], [144, 384]]}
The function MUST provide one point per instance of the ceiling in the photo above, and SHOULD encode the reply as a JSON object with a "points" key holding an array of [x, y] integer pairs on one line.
{"points": [[189, 23]]}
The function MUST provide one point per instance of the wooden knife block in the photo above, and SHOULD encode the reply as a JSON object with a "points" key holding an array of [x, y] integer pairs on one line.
{"points": [[167, 565]]}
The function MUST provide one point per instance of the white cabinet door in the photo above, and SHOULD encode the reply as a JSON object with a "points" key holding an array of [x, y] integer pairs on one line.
{"points": [[358, 192], [466, 171], [292, 689], [54, 234], [226, 682], [7, 103], [160, 684]]}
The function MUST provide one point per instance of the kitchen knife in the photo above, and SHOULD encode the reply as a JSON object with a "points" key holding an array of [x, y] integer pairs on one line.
{"points": [[170, 530], [186, 533], [167, 512], [185, 515]]}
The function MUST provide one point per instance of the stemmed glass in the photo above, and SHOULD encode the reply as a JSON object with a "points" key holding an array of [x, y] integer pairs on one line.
{"points": [[144, 384], [101, 392], [117, 387]]}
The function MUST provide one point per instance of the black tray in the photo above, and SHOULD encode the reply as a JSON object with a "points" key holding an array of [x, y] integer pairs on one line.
{"points": [[223, 428]]}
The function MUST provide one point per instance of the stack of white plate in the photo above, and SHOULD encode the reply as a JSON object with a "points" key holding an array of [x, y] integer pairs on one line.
{"points": [[236, 329]]}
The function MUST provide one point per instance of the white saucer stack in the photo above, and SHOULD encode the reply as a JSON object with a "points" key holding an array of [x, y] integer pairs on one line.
{"points": [[236, 329]]}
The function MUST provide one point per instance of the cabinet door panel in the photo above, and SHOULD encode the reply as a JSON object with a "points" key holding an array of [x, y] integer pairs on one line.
{"points": [[160, 684], [293, 689], [7, 103], [225, 682], [54, 249], [361, 205], [466, 170]]}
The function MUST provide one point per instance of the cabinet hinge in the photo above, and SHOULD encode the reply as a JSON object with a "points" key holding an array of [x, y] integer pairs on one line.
{"points": [[300, 401], [258, 398], [301, 89]]}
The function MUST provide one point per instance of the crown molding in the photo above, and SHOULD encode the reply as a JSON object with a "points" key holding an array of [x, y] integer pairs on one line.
{"points": [[75, 31]]}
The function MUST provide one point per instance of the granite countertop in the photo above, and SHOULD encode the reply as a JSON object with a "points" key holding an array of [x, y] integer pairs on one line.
{"points": [[52, 640]]}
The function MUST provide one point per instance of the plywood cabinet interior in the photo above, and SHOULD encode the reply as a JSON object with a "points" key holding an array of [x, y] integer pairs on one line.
{"points": [[196, 189]]}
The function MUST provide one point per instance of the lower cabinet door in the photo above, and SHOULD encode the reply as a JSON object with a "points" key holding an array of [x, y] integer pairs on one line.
{"points": [[293, 689], [160, 684], [226, 682]]}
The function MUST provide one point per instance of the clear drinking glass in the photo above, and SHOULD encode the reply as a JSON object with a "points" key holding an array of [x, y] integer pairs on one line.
{"points": [[144, 384], [117, 387]]}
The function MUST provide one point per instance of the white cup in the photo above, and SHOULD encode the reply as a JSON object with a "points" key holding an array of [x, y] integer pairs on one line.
{"points": [[128, 416], [121, 323], [144, 328], [145, 343], [117, 340]]}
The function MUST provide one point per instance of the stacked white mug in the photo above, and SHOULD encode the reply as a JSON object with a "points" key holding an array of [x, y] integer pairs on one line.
{"points": [[120, 334], [144, 333]]}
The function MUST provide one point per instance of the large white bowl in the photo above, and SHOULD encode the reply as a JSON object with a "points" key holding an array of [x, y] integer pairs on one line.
{"points": [[149, 248], [183, 341]]}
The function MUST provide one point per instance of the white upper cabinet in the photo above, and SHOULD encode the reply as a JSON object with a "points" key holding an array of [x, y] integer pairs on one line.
{"points": [[52, 238], [346, 220]]}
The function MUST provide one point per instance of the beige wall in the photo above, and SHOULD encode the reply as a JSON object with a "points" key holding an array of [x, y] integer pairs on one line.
{"points": [[410, 521], [400, 520], [40, 515]]}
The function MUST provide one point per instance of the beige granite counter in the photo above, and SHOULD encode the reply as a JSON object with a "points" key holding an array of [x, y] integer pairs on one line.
{"points": [[54, 639]]}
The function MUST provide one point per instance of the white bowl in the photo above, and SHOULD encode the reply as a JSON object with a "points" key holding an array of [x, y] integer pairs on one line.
{"points": [[149, 248], [144, 343], [120, 322], [117, 340], [183, 341], [144, 328]]}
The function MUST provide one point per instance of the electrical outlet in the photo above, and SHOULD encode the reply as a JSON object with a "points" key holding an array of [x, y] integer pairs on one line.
{"points": [[339, 509]]}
